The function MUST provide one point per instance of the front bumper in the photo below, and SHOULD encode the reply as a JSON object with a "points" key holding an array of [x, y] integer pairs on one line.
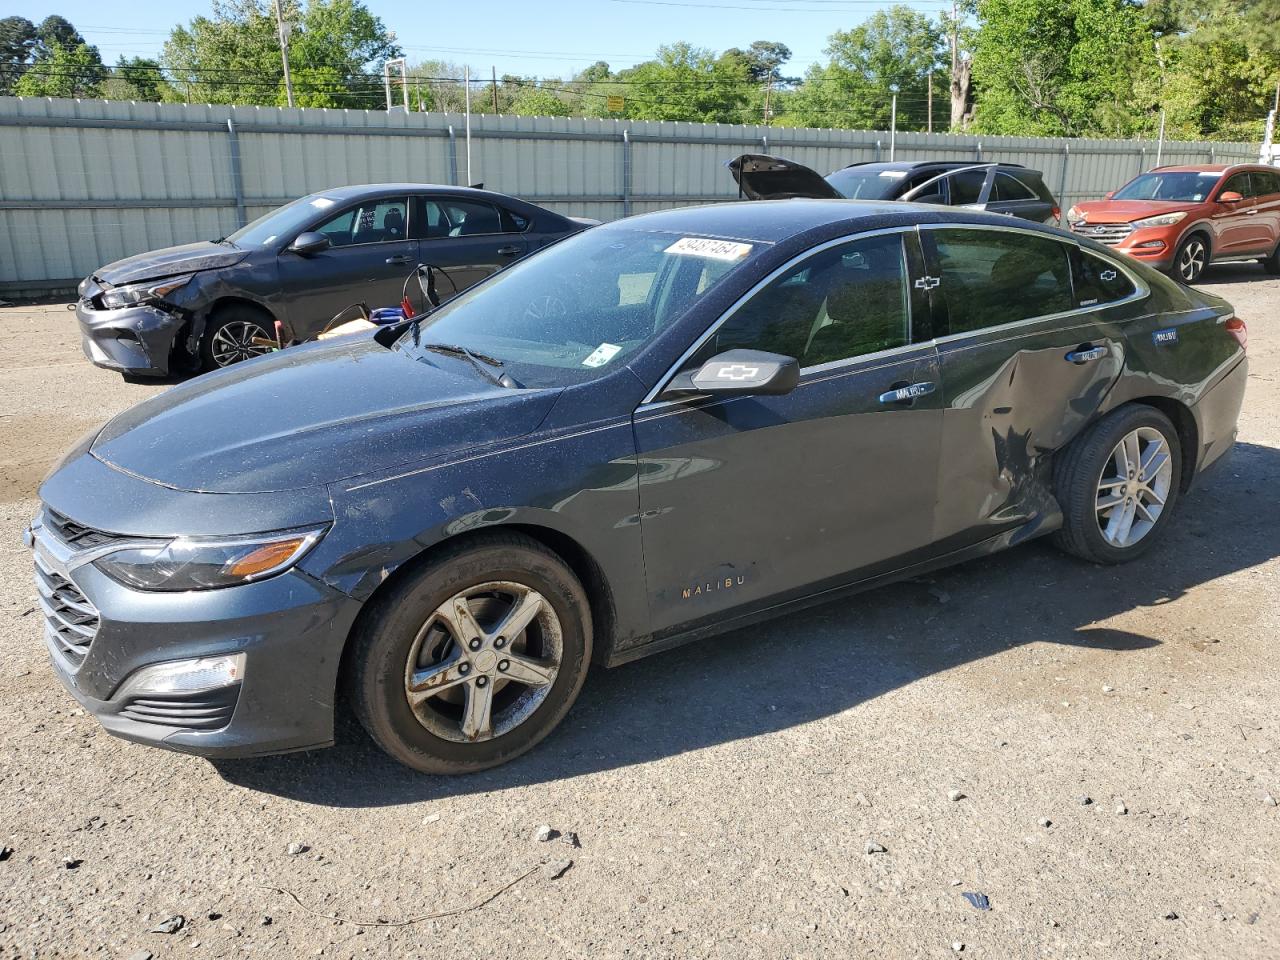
{"points": [[290, 628], [1155, 246], [134, 340]]}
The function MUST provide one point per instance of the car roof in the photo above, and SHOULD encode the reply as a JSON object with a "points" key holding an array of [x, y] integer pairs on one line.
{"points": [[1208, 167], [357, 190], [876, 166], [773, 221]]}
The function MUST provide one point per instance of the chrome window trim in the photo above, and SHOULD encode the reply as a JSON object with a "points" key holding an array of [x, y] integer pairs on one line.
{"points": [[650, 398], [1141, 289]]}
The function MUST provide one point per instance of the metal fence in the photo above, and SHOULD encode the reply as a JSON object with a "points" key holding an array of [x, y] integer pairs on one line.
{"points": [[84, 182]]}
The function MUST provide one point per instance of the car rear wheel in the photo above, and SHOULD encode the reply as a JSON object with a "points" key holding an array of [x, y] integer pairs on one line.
{"points": [[1272, 263], [1117, 485], [233, 334], [474, 659], [1191, 259]]}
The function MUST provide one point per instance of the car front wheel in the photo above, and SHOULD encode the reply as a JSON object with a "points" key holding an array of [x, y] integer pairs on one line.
{"points": [[233, 334], [1191, 259], [472, 660], [1117, 485]]}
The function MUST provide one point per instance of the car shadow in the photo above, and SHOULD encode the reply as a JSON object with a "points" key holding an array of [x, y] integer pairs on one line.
{"points": [[804, 667], [1242, 272]]}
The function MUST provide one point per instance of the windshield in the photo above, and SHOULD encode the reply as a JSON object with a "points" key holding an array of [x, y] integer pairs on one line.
{"points": [[865, 185], [580, 308], [281, 223], [1187, 186]]}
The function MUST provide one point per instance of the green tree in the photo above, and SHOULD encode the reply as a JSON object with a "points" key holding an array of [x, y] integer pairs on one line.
{"points": [[336, 51], [685, 82], [1071, 68], [17, 46], [538, 101], [895, 46], [63, 72], [137, 78]]}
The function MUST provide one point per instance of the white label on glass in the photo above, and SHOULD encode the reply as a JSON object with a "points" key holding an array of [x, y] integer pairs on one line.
{"points": [[893, 174], [711, 249], [601, 355]]}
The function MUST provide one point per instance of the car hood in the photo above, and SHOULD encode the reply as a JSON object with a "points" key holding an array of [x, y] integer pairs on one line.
{"points": [[187, 258], [762, 177], [312, 415], [1126, 211]]}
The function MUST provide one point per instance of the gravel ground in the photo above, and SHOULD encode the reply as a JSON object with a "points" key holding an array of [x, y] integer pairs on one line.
{"points": [[725, 794]]}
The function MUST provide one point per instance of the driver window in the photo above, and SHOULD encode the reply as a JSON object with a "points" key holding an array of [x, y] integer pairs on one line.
{"points": [[847, 301], [378, 221]]}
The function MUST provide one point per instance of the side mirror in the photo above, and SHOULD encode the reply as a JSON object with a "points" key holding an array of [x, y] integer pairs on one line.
{"points": [[1229, 196], [1109, 195], [740, 373], [305, 244]]}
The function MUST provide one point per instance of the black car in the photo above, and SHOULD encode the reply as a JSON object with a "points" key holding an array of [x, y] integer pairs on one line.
{"points": [[213, 303], [662, 428], [1007, 188]]}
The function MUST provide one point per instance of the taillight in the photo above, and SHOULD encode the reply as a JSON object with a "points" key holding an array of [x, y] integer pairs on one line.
{"points": [[1236, 327], [1057, 213]]}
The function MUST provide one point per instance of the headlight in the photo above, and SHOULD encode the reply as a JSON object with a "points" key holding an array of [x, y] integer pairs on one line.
{"points": [[136, 293], [1074, 215], [1163, 220], [199, 563]]}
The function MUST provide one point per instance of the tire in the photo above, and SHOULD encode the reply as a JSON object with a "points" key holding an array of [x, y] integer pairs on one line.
{"points": [[1272, 263], [402, 640], [1191, 259], [226, 336], [1091, 460]]}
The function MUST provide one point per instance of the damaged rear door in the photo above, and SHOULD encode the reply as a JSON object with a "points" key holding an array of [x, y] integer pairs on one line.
{"points": [[1025, 365]]}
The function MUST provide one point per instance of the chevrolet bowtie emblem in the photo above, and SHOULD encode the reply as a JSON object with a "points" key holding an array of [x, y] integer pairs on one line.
{"points": [[738, 371]]}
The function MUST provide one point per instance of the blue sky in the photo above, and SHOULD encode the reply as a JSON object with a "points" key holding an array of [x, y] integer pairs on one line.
{"points": [[527, 37]]}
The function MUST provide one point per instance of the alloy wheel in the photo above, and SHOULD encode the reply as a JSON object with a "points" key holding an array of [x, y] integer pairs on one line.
{"points": [[234, 341], [1192, 260], [483, 662], [1134, 487]]}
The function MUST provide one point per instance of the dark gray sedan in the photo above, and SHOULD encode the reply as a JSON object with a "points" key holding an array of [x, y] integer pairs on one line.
{"points": [[668, 426], [212, 303]]}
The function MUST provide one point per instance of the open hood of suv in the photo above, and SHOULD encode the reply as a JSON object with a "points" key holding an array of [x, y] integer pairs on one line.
{"points": [[762, 177]]}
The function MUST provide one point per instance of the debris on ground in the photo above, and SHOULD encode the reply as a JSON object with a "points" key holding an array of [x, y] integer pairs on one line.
{"points": [[5, 853], [1046, 822], [957, 946], [171, 925], [430, 818], [545, 833], [556, 869], [1121, 809], [297, 848], [1267, 799], [140, 955], [1085, 801], [955, 795], [979, 900], [72, 863], [873, 847], [571, 839], [1171, 915]]}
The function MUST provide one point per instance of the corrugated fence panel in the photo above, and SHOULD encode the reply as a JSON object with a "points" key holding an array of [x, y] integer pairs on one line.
{"points": [[84, 182]]}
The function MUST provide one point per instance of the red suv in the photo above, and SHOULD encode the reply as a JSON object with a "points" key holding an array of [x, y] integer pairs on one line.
{"points": [[1181, 219]]}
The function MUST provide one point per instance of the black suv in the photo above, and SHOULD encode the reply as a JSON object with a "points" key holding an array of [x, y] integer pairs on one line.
{"points": [[1007, 188]]}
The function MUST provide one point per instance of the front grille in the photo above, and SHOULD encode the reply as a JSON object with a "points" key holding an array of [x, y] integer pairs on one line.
{"points": [[77, 535], [201, 711], [70, 620], [1108, 233]]}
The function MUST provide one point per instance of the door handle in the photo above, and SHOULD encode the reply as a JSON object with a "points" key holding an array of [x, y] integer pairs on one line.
{"points": [[906, 393], [1086, 354], [1251, 213], [402, 258], [508, 251]]}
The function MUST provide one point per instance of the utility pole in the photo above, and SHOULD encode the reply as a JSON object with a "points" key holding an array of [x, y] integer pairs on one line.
{"points": [[768, 89], [1160, 142], [929, 127], [282, 30], [495, 88], [466, 84], [893, 121]]}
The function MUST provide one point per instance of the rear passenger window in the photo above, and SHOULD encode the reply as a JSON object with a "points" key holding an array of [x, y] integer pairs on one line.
{"points": [[993, 277], [846, 301], [966, 187], [1099, 281], [1011, 188], [1265, 184]]}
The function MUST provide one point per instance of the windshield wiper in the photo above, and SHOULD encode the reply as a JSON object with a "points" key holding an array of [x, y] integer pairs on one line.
{"points": [[477, 360]]}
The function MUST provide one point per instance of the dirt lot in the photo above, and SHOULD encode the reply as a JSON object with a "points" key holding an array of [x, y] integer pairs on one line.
{"points": [[724, 795]]}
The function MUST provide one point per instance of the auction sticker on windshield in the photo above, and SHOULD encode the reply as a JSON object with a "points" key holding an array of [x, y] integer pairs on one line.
{"points": [[711, 249], [601, 355]]}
